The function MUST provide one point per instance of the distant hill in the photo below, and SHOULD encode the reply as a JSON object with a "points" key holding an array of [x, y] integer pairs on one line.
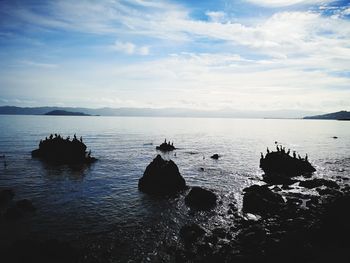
{"points": [[66, 113], [340, 115], [164, 112]]}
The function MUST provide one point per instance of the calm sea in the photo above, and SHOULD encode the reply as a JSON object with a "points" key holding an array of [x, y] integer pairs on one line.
{"points": [[100, 205]]}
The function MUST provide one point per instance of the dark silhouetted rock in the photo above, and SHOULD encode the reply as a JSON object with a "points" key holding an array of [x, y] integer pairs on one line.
{"points": [[317, 182], [166, 147], [279, 167], [200, 198], [190, 233], [6, 195], [42, 252], [261, 200], [13, 213], [56, 149], [161, 177], [336, 221], [215, 156], [25, 205]]}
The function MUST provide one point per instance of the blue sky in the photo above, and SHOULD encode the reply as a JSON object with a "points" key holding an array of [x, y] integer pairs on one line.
{"points": [[225, 54]]}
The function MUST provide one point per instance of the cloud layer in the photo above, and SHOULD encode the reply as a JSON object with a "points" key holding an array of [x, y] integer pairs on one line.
{"points": [[141, 53]]}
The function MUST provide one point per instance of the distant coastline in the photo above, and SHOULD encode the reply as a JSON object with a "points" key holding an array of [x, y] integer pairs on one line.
{"points": [[160, 112], [339, 115]]}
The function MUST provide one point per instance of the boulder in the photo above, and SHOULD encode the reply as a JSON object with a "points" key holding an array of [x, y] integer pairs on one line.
{"points": [[261, 200], [200, 198], [161, 177], [282, 163]]}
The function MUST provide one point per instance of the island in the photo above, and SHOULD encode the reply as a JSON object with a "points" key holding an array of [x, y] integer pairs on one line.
{"points": [[65, 113], [339, 115]]}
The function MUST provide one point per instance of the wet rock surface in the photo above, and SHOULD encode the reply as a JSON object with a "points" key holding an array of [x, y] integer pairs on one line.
{"points": [[201, 199], [161, 177]]}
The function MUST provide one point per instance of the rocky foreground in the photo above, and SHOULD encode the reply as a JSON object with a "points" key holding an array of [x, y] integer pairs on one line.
{"points": [[287, 218]]}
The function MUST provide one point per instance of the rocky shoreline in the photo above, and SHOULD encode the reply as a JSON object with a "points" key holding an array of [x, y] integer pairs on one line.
{"points": [[280, 219]]}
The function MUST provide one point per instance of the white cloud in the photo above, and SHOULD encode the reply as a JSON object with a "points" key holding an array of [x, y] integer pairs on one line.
{"points": [[280, 3], [216, 16], [130, 48]]}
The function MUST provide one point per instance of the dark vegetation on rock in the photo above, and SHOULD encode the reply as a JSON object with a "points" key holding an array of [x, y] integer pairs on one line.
{"points": [[201, 199], [56, 149], [161, 177]]}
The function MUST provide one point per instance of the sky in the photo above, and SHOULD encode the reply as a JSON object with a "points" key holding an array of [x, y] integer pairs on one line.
{"points": [[197, 54]]}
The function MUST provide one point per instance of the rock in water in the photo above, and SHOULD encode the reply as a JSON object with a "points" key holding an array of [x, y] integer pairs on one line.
{"points": [[215, 156], [56, 149], [279, 167], [261, 200], [200, 198], [161, 177], [166, 147]]}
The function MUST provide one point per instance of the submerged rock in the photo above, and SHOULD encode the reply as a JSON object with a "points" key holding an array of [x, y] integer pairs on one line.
{"points": [[200, 198], [161, 177], [56, 149], [261, 200]]}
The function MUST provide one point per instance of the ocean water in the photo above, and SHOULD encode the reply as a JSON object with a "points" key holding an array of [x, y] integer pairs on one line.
{"points": [[99, 206]]}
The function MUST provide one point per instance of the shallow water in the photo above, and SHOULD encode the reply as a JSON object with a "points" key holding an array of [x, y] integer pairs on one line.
{"points": [[101, 205]]}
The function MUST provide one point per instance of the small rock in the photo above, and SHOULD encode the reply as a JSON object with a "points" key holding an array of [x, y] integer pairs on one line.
{"points": [[215, 156]]}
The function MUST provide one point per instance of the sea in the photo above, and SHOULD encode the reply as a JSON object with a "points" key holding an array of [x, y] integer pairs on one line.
{"points": [[99, 206]]}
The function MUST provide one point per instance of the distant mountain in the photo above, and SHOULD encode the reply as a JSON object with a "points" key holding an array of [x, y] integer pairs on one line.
{"points": [[66, 113], [340, 115], [164, 112]]}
